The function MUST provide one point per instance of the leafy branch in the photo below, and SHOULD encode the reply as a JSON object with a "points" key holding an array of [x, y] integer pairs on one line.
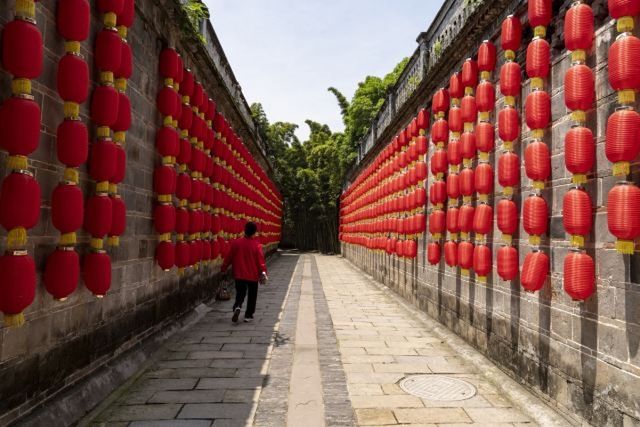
{"points": [[196, 11]]}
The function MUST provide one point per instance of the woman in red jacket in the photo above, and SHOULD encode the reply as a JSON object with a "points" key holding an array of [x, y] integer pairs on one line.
{"points": [[247, 261]]}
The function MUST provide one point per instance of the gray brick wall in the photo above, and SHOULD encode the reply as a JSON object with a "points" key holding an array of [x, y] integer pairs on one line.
{"points": [[583, 358], [63, 341]]}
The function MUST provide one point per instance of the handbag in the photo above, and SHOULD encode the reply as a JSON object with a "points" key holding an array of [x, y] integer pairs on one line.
{"points": [[223, 292]]}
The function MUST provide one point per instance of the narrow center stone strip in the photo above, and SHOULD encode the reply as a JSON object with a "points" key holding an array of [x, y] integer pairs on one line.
{"points": [[306, 406], [274, 398], [334, 381]]}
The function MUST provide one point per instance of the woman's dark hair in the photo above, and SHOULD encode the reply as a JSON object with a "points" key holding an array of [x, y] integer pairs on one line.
{"points": [[250, 229]]}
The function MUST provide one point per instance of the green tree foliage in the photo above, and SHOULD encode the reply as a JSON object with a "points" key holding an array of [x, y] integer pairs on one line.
{"points": [[365, 104], [310, 174]]}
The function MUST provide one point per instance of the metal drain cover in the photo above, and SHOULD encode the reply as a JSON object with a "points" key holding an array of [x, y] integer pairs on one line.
{"points": [[437, 387]]}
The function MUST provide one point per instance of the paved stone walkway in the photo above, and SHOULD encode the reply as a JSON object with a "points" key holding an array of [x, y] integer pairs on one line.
{"points": [[328, 347]]}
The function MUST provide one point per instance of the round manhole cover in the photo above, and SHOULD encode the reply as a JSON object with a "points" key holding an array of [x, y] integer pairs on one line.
{"points": [[437, 387]]}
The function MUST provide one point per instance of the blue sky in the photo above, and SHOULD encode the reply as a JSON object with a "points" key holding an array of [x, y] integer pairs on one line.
{"points": [[286, 53]]}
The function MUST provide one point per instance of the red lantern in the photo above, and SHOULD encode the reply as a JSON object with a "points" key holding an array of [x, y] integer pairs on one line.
{"points": [[486, 57], [535, 217], [624, 69], [169, 59], [400, 248], [123, 122], [623, 216], [19, 202], [73, 79], [508, 124], [538, 58], [509, 171], [98, 216], [437, 221], [440, 131], [577, 214], [469, 76], [72, 143], [454, 152], [539, 12], [465, 255], [104, 105], [440, 102], [126, 61], [453, 186], [127, 14], [621, 8], [164, 180], [579, 276], [166, 255], [579, 88], [67, 208], [167, 142], [438, 192], [96, 272], [485, 97], [20, 125], [110, 6], [433, 253], [485, 136], [455, 119], [507, 263], [108, 50], [166, 102], [538, 110], [184, 155], [22, 49], [439, 162], [482, 261], [455, 86], [534, 271], [62, 273], [73, 19], [579, 27], [182, 221], [510, 79], [118, 217], [621, 147], [507, 218], [410, 249], [17, 286], [579, 152], [484, 179], [452, 220], [164, 218], [185, 120], [451, 253], [537, 162], [465, 218], [469, 109], [186, 86], [511, 33], [483, 220], [467, 182]]}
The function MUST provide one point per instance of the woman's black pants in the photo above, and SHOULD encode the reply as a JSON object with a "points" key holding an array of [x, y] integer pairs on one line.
{"points": [[242, 286]]}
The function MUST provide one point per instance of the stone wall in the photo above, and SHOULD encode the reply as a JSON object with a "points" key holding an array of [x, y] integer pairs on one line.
{"points": [[63, 342], [583, 358]]}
